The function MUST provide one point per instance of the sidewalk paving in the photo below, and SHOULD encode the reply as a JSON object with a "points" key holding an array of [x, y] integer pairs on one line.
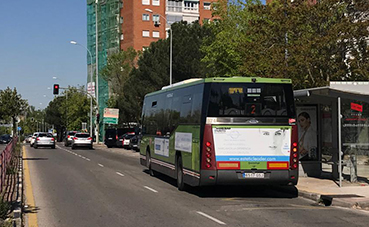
{"points": [[352, 195]]}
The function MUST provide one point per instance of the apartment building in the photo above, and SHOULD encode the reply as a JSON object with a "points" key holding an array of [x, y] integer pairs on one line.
{"points": [[146, 21], [133, 23]]}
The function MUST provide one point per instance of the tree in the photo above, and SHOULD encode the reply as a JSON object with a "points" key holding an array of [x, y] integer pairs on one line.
{"points": [[69, 110], [309, 43], [11, 106]]}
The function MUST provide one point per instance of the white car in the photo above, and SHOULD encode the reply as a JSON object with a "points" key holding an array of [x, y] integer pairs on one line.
{"points": [[82, 140], [32, 141], [44, 139]]}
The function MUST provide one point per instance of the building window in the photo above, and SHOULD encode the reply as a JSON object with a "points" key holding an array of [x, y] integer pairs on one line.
{"points": [[145, 33], [156, 34], [121, 36], [156, 2], [174, 6], [145, 17], [207, 5], [145, 2], [155, 18], [121, 20], [144, 48], [191, 6]]}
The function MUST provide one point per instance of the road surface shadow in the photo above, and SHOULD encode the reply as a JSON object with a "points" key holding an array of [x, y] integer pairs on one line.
{"points": [[234, 191], [31, 209], [35, 159]]}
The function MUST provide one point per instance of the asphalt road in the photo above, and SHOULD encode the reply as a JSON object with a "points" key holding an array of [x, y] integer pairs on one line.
{"points": [[108, 187]]}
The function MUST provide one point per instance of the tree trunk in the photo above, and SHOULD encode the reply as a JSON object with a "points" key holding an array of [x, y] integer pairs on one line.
{"points": [[14, 126]]}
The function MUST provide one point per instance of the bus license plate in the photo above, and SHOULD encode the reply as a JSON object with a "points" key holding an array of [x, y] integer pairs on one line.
{"points": [[253, 175]]}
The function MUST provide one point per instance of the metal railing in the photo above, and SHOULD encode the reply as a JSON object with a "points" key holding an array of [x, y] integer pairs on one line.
{"points": [[5, 158]]}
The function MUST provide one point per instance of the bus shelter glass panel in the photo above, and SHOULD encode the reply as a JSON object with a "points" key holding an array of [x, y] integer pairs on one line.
{"points": [[355, 140]]}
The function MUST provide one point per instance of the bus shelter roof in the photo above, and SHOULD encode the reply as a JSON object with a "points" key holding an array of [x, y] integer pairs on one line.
{"points": [[346, 90]]}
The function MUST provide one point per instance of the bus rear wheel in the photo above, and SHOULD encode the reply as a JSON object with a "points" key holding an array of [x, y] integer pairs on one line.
{"points": [[180, 181]]}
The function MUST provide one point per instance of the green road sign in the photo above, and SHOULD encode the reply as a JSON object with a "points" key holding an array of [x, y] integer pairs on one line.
{"points": [[110, 120]]}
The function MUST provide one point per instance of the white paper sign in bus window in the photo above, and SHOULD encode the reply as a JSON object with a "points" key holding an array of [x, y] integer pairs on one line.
{"points": [[183, 141], [252, 144], [161, 147]]}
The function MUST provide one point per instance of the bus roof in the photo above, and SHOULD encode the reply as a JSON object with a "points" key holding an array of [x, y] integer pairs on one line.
{"points": [[194, 81]]}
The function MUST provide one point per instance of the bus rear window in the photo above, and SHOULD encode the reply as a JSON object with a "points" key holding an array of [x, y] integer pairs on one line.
{"points": [[251, 100]]}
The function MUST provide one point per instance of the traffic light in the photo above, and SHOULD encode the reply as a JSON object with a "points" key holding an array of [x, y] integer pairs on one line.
{"points": [[56, 89]]}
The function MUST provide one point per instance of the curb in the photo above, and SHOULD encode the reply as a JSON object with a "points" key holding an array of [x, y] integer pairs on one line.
{"points": [[330, 200], [17, 213]]}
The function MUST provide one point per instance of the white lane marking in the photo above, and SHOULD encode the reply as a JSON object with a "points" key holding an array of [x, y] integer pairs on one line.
{"points": [[87, 159], [120, 174], [153, 190], [211, 218], [101, 165]]}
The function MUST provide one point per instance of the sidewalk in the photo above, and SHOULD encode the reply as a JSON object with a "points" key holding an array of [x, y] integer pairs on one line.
{"points": [[352, 195]]}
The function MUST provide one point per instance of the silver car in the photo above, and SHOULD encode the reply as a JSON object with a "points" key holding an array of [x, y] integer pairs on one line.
{"points": [[33, 139], [44, 139], [82, 140]]}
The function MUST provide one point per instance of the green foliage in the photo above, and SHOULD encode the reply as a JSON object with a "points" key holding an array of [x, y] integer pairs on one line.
{"points": [[4, 208], [32, 120], [4, 130], [311, 44], [68, 111], [11, 105], [152, 72]]}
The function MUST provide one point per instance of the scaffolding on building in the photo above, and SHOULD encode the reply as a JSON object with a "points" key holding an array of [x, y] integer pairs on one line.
{"points": [[108, 15]]}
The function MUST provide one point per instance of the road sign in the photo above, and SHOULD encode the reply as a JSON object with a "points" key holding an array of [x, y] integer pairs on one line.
{"points": [[84, 126], [19, 128], [110, 120], [111, 116], [110, 112], [91, 88]]}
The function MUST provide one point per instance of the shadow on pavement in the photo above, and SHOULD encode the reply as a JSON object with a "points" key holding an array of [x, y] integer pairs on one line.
{"points": [[232, 191], [35, 159], [31, 209]]}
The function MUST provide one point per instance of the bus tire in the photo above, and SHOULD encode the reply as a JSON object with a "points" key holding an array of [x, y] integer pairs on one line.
{"points": [[180, 181], [148, 163]]}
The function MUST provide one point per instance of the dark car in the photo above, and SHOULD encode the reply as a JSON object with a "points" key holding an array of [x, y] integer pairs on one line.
{"points": [[134, 143], [112, 136], [5, 139]]}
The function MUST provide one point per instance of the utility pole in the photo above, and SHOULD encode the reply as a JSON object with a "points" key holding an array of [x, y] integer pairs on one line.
{"points": [[97, 72]]}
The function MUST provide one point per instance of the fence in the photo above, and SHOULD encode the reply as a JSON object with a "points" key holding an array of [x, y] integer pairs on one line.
{"points": [[5, 158]]}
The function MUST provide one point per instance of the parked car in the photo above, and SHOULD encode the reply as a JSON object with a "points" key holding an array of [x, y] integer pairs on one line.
{"points": [[28, 139], [69, 138], [44, 139], [134, 143], [82, 140], [33, 138], [124, 140], [112, 136], [5, 139]]}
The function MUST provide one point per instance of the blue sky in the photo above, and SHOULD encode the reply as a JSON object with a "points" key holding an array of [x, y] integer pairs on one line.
{"points": [[34, 46]]}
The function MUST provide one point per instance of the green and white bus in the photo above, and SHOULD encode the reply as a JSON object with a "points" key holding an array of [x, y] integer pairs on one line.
{"points": [[222, 131]]}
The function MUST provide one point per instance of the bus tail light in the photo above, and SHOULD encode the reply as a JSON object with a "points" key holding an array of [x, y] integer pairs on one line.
{"points": [[208, 157], [294, 154]]}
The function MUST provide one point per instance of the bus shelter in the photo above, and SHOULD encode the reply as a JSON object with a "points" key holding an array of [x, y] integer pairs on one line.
{"points": [[333, 124]]}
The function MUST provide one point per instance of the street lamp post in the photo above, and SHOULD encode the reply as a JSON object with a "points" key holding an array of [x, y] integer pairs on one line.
{"points": [[75, 43], [97, 72], [171, 46]]}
